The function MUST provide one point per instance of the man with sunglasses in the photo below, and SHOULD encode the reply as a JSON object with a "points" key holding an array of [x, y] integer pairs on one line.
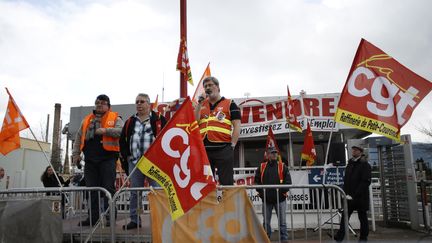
{"points": [[138, 133], [98, 138], [273, 172]]}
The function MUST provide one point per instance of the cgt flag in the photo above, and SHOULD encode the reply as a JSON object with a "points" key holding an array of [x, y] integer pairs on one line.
{"points": [[232, 219], [183, 62], [271, 142], [200, 88], [308, 154], [13, 123], [380, 94], [177, 160], [292, 118]]}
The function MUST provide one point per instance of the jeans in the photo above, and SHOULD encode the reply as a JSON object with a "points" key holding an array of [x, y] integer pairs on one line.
{"points": [[280, 208], [137, 180]]}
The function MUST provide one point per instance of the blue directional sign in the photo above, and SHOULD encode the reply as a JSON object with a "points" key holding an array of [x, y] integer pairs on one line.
{"points": [[334, 176]]}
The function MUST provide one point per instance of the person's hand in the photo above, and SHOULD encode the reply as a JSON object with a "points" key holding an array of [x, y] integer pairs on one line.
{"points": [[285, 194], [100, 131], [201, 98], [348, 197]]}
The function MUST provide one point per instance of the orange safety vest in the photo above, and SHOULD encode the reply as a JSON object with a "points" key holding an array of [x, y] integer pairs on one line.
{"points": [[280, 171], [216, 124], [108, 121]]}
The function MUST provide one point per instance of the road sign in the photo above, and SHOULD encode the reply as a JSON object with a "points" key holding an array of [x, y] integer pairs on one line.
{"points": [[334, 176]]}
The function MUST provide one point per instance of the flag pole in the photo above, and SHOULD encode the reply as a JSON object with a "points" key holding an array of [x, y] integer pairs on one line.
{"points": [[291, 155], [40, 146], [290, 146], [46, 157], [302, 93]]}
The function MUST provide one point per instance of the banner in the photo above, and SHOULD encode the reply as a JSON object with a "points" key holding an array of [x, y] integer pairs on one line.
{"points": [[258, 114], [308, 154], [296, 196], [200, 88], [292, 118], [13, 123], [177, 160], [380, 94], [233, 219], [183, 62], [271, 142]]}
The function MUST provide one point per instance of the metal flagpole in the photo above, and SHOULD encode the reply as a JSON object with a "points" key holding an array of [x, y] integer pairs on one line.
{"points": [[302, 93], [290, 146], [46, 157]]}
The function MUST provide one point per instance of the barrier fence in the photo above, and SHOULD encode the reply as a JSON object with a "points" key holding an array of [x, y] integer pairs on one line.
{"points": [[71, 206], [425, 189]]}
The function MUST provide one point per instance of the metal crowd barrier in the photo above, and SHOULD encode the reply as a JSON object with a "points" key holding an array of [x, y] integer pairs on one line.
{"points": [[71, 205], [316, 213], [426, 199]]}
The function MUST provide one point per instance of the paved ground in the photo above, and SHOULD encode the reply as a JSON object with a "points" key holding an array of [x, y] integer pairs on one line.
{"points": [[382, 234]]}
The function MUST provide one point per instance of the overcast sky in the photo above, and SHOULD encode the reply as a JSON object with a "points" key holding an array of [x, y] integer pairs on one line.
{"points": [[69, 52]]}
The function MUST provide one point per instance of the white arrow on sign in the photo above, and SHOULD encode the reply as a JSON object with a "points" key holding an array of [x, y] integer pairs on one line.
{"points": [[316, 178]]}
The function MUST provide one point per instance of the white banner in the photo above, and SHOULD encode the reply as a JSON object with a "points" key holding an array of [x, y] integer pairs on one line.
{"points": [[296, 196]]}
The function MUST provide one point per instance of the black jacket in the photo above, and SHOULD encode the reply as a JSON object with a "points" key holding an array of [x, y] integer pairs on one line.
{"points": [[356, 183], [271, 177], [127, 132]]}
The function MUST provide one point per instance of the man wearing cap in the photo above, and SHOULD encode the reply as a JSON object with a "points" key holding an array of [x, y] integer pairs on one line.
{"points": [[98, 138], [219, 123], [273, 172], [356, 187]]}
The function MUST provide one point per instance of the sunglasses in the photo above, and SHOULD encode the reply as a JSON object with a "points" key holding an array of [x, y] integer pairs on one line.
{"points": [[140, 102]]}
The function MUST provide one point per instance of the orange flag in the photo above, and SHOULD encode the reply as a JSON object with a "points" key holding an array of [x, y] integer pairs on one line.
{"points": [[183, 62], [380, 94], [200, 88], [291, 117], [177, 160], [13, 123], [308, 153], [155, 104], [271, 142]]}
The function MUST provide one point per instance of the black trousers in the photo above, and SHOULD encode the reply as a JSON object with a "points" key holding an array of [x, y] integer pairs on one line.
{"points": [[364, 225], [223, 160], [100, 174]]}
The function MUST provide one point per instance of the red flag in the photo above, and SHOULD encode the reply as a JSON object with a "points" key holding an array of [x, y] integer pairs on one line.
{"points": [[271, 142], [183, 62], [292, 118], [200, 88], [13, 123], [308, 153], [177, 160], [380, 94]]}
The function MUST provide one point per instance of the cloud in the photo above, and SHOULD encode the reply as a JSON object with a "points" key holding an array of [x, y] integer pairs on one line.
{"points": [[69, 52]]}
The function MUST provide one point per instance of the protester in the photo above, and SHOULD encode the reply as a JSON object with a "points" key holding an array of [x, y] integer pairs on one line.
{"points": [[3, 180], [356, 187], [49, 180], [273, 172], [138, 133], [219, 122], [98, 138]]}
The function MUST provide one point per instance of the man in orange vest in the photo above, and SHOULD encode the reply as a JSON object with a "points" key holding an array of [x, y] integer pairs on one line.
{"points": [[219, 122], [273, 172], [98, 138]]}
